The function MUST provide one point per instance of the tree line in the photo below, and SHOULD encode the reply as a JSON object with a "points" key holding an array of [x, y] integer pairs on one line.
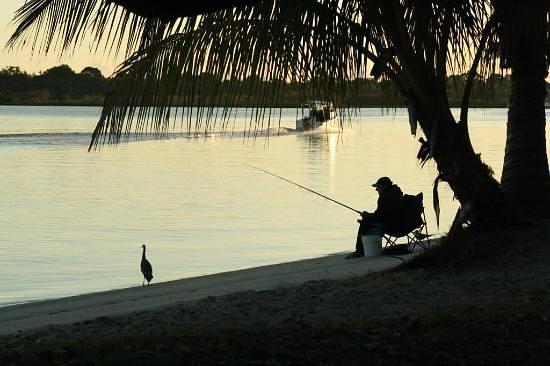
{"points": [[61, 85]]}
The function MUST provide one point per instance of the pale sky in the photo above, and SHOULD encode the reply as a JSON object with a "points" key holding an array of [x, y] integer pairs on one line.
{"points": [[35, 63]]}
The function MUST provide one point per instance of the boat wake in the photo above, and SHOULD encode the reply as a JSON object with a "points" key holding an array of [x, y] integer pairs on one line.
{"points": [[84, 138]]}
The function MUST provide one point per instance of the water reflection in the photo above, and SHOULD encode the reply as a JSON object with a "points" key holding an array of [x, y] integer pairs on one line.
{"points": [[319, 150], [321, 141]]}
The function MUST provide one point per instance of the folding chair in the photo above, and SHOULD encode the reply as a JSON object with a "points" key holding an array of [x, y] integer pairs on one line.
{"points": [[411, 223]]}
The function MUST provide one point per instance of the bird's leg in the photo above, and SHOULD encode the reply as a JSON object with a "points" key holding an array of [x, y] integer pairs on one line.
{"points": [[143, 283]]}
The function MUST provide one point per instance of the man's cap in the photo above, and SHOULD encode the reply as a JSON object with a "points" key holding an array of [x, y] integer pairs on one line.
{"points": [[383, 181]]}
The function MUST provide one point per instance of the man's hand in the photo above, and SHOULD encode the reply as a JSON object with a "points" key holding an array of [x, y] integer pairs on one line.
{"points": [[364, 215]]}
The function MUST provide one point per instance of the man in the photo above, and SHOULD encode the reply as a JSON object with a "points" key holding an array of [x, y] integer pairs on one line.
{"points": [[390, 199]]}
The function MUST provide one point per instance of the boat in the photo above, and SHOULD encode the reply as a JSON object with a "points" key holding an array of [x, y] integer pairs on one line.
{"points": [[319, 114]]}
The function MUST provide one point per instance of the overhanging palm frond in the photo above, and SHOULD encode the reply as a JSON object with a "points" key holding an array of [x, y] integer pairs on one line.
{"points": [[171, 10], [321, 43], [265, 45], [327, 42], [62, 25]]}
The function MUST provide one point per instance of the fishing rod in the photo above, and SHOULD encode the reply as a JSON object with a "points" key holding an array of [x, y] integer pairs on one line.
{"points": [[301, 186]]}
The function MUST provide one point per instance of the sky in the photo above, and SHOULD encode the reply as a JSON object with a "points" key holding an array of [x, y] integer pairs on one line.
{"points": [[37, 63]]}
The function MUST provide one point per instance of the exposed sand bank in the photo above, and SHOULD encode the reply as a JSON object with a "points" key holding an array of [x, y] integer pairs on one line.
{"points": [[116, 302]]}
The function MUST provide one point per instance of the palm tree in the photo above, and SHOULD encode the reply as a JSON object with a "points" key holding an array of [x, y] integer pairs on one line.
{"points": [[523, 40], [324, 42]]}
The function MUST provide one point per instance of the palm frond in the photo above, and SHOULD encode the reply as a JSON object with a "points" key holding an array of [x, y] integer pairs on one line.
{"points": [[171, 10], [321, 44], [265, 45], [61, 26]]}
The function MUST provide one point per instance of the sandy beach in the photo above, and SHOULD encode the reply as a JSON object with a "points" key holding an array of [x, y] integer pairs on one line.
{"points": [[117, 302], [478, 300]]}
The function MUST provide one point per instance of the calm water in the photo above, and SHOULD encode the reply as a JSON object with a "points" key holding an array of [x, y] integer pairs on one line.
{"points": [[73, 222]]}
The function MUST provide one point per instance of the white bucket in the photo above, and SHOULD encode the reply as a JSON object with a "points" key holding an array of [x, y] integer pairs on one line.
{"points": [[372, 245]]}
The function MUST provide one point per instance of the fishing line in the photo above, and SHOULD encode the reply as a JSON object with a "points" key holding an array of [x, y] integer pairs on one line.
{"points": [[301, 186]]}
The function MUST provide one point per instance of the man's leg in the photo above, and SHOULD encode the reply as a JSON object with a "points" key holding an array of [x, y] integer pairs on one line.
{"points": [[359, 243]]}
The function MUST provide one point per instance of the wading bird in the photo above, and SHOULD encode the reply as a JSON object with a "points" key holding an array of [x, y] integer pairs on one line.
{"points": [[146, 268]]}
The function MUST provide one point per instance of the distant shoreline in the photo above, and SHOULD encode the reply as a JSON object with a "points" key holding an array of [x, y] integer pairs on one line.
{"points": [[62, 86]]}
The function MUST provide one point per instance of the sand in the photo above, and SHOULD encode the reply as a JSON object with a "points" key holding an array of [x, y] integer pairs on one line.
{"points": [[67, 310], [482, 300]]}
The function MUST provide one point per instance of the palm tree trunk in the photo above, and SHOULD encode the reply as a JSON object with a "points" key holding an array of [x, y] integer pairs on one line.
{"points": [[525, 176], [472, 182]]}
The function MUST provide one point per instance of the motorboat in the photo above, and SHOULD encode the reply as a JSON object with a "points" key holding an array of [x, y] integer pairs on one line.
{"points": [[317, 114]]}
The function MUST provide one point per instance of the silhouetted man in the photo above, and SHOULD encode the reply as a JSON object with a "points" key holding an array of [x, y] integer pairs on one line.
{"points": [[390, 200]]}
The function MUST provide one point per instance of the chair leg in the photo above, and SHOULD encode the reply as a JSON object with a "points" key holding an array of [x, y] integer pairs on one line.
{"points": [[417, 238], [389, 241], [412, 242]]}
